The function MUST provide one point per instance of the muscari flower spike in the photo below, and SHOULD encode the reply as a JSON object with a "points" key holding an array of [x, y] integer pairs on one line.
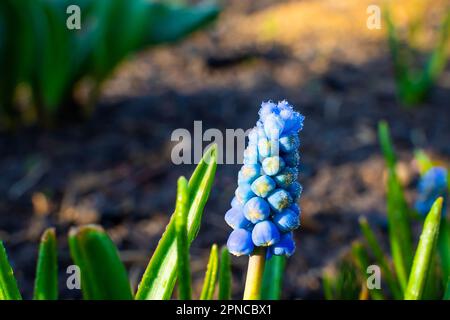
{"points": [[433, 184], [264, 210]]}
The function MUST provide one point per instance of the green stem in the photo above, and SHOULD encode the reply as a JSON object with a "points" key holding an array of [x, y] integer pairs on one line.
{"points": [[273, 278], [255, 274]]}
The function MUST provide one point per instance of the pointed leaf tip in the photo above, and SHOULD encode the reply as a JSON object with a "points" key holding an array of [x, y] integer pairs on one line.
{"points": [[424, 253], [46, 282], [209, 283], [91, 250]]}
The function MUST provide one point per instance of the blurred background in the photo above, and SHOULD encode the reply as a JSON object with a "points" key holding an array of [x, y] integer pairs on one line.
{"points": [[87, 115]]}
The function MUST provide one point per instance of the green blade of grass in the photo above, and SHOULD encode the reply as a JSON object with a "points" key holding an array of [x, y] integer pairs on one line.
{"points": [[159, 278], [371, 239], [209, 283], [397, 212], [447, 292], [327, 284], [8, 283], [439, 56], [103, 276], [181, 212], [46, 282], [424, 253], [444, 247], [273, 278], [362, 262], [342, 284], [399, 230], [225, 275], [387, 148]]}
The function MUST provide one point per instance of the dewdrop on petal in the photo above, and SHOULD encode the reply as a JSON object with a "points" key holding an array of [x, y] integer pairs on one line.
{"points": [[264, 211]]}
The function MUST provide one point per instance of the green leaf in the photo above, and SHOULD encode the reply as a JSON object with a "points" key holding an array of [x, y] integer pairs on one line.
{"points": [[181, 212], [52, 72], [438, 58], [444, 247], [342, 285], [103, 276], [8, 284], [159, 278], [273, 278], [46, 282], [362, 262], [399, 229], [424, 253], [397, 212], [370, 237], [413, 84], [168, 23], [16, 55], [225, 275], [120, 26], [327, 284], [387, 148], [209, 283]]}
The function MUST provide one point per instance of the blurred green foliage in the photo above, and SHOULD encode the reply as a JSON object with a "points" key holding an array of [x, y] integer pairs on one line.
{"points": [[38, 50], [343, 284], [422, 274], [414, 80]]}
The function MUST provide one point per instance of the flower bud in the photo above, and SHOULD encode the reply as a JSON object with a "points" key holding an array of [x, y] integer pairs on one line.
{"points": [[263, 186], [272, 165], [256, 209], [236, 219], [265, 234]]}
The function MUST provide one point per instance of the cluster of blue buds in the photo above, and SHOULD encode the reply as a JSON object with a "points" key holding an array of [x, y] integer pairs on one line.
{"points": [[264, 211], [433, 184]]}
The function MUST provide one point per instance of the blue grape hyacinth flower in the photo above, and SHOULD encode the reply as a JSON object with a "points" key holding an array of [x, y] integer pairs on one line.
{"points": [[432, 185], [264, 210]]}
